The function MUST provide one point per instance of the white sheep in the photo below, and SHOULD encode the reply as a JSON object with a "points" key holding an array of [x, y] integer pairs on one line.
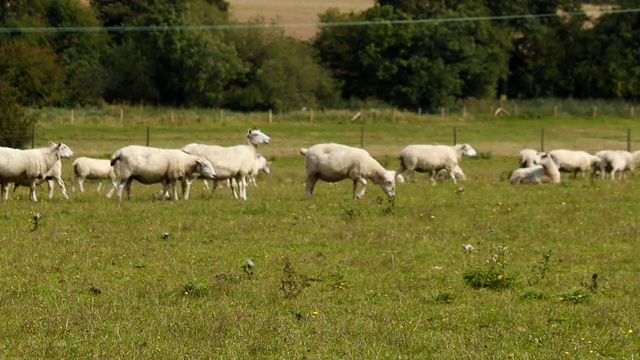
{"points": [[93, 169], [232, 162], [433, 158], [614, 161], [29, 167], [544, 171], [574, 161], [262, 164], [55, 173], [336, 162], [528, 157], [149, 165]]}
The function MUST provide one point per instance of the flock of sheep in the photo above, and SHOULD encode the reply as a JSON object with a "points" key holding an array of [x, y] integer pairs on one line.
{"points": [[240, 164], [545, 168]]}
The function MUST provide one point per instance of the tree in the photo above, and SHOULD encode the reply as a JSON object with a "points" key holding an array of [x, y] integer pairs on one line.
{"points": [[15, 120]]}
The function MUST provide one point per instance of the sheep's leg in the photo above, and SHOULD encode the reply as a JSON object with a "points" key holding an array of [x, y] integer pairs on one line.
{"points": [[186, 188], [175, 189], [234, 187], [213, 188], [165, 190], [206, 184], [128, 186], [242, 182], [73, 183], [32, 191], [311, 183], [453, 176], [80, 184], [99, 186], [120, 187], [63, 189], [252, 180], [4, 190], [355, 187]]}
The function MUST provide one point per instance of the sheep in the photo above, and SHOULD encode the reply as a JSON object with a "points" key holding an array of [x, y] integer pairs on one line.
{"points": [[29, 167], [94, 169], [457, 172], [261, 165], [235, 162], [423, 158], [528, 157], [335, 162], [574, 161], [55, 173], [149, 165], [544, 171], [616, 161]]}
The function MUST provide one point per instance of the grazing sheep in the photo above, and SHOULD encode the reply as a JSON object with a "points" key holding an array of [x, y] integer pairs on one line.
{"points": [[574, 161], [528, 157], [55, 173], [236, 162], [613, 161], [544, 171], [93, 169], [433, 158], [335, 162], [30, 167], [150, 165]]}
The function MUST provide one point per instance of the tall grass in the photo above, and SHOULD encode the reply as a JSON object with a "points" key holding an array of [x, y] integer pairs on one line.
{"points": [[334, 278]]}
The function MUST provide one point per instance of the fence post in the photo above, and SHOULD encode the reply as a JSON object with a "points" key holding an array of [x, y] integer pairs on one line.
{"points": [[172, 116], [148, 133], [541, 139], [464, 112], [631, 111], [33, 136], [121, 115], [515, 110], [419, 112], [455, 135], [362, 137], [595, 111], [72, 116], [270, 116], [222, 116], [443, 113], [629, 140], [311, 116], [394, 115]]}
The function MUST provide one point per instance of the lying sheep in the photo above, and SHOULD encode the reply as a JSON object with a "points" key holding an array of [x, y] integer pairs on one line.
{"points": [[93, 169], [29, 167], [528, 157], [616, 161], [150, 165], [574, 161], [55, 173], [544, 171], [232, 162], [335, 162], [433, 158]]}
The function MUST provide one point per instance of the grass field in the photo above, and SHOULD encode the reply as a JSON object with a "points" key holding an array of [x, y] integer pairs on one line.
{"points": [[292, 12], [334, 278]]}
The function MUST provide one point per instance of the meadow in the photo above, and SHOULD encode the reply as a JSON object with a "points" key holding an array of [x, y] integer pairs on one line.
{"points": [[334, 278]]}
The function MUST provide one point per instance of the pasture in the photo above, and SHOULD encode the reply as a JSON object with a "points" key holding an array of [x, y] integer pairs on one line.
{"points": [[334, 278]]}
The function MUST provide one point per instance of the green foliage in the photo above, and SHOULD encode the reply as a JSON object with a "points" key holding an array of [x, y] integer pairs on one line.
{"points": [[195, 288], [575, 296], [539, 271], [492, 274], [16, 121]]}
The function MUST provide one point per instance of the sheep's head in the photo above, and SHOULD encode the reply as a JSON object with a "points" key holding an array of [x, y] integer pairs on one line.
{"points": [[205, 169], [467, 150], [63, 150], [387, 182], [257, 137]]}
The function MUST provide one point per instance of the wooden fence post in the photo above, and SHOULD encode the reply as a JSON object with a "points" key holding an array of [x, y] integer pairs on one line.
{"points": [[595, 111], [464, 112], [311, 116], [443, 113], [33, 136], [455, 135], [362, 137], [629, 140], [222, 116], [541, 139], [72, 116], [270, 116], [148, 134], [121, 115], [631, 111], [419, 112]]}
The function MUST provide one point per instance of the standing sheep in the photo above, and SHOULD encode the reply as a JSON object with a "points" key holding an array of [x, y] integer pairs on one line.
{"points": [[232, 162], [544, 171], [262, 164], [55, 173], [433, 158], [528, 157], [29, 167], [613, 161], [574, 161], [336, 162], [94, 169], [150, 165]]}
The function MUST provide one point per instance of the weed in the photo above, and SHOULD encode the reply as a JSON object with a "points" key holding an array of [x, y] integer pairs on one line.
{"points": [[539, 271], [391, 205], [195, 289], [492, 274], [533, 294], [351, 214], [444, 297], [338, 279], [292, 283], [575, 296]]}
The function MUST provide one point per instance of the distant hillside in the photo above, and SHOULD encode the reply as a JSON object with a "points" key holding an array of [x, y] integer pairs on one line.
{"points": [[292, 11]]}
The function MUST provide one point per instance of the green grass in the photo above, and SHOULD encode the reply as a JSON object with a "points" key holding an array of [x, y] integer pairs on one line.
{"points": [[334, 278]]}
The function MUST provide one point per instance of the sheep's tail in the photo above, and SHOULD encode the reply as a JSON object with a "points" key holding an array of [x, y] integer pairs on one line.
{"points": [[115, 158], [303, 151]]}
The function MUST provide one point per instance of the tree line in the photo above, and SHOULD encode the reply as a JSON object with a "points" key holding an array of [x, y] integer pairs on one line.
{"points": [[394, 59]]}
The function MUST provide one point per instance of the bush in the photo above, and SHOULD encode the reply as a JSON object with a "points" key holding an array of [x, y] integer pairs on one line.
{"points": [[15, 121]]}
